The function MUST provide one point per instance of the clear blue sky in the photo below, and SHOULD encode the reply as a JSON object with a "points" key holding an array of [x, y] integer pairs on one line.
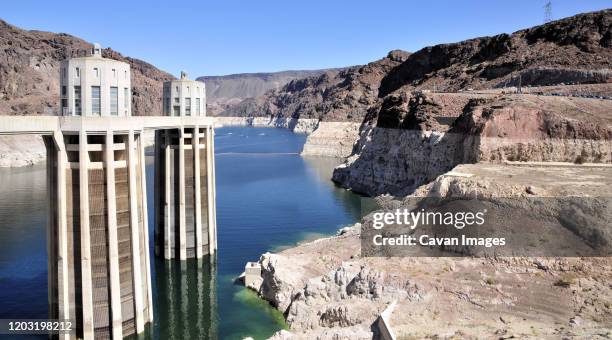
{"points": [[228, 36]]}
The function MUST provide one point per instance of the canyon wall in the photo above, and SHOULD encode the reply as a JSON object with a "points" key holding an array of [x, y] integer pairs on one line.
{"points": [[409, 146]]}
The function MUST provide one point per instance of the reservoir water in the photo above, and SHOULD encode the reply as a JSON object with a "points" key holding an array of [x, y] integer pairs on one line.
{"points": [[268, 197]]}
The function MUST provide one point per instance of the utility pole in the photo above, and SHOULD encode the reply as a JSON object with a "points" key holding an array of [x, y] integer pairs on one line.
{"points": [[548, 12]]}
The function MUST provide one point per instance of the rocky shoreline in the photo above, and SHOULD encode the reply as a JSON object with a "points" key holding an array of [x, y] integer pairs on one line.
{"points": [[326, 289]]}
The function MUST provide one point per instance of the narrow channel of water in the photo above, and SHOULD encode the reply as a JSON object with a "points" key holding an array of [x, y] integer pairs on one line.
{"points": [[268, 197]]}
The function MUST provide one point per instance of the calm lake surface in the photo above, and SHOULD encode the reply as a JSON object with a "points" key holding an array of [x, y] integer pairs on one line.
{"points": [[268, 197]]}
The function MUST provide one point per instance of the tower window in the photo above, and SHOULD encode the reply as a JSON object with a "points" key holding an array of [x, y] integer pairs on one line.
{"points": [[77, 72], [187, 106], [96, 72], [114, 73], [77, 100], [197, 106], [126, 98], [114, 101], [95, 100]]}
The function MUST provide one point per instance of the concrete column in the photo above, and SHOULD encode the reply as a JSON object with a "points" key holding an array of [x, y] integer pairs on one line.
{"points": [[86, 289], [209, 192], [113, 243], [158, 205], [145, 221], [196, 183], [135, 235], [181, 228], [214, 185], [62, 231], [169, 222], [53, 259]]}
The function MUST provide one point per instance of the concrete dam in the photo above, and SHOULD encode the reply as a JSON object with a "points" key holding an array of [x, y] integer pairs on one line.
{"points": [[99, 270]]}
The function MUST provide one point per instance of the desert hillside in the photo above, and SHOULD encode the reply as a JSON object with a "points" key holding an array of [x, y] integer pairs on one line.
{"points": [[343, 95], [224, 91], [573, 55]]}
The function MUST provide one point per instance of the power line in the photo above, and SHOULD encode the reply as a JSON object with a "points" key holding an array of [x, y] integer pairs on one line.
{"points": [[548, 12]]}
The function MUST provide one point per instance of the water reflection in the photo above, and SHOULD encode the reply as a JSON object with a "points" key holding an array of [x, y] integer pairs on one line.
{"points": [[186, 303]]}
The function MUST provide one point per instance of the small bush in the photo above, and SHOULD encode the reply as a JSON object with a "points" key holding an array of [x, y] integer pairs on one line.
{"points": [[566, 280]]}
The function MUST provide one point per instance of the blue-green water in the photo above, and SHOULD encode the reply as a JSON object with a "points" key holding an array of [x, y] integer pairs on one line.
{"points": [[268, 197]]}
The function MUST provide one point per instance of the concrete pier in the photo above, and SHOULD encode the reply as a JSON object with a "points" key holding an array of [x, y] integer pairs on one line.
{"points": [[186, 223], [98, 234], [99, 265], [98, 270]]}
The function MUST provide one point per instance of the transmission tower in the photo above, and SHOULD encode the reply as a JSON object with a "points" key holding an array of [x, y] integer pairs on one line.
{"points": [[548, 12]]}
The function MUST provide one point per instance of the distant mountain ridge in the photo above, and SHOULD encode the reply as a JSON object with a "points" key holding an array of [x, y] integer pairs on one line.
{"points": [[227, 90]]}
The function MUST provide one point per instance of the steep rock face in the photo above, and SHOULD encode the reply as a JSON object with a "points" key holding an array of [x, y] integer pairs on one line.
{"points": [[414, 148], [411, 135], [29, 72], [577, 49], [223, 92], [343, 95]]}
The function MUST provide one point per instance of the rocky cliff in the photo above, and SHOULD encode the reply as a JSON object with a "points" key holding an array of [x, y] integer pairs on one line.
{"points": [[575, 49], [416, 139], [413, 134]]}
